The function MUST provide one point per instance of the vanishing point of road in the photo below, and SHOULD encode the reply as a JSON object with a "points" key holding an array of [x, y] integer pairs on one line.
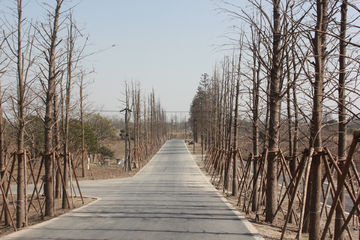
{"points": [[168, 199]]}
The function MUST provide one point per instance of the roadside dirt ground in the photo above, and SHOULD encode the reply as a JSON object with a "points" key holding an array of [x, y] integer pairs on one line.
{"points": [[97, 172], [267, 230], [34, 216]]}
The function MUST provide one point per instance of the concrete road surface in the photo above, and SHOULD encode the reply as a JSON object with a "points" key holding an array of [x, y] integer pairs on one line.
{"points": [[169, 199]]}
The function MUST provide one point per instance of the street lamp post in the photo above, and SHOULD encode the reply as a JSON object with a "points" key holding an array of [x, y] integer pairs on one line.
{"points": [[126, 138]]}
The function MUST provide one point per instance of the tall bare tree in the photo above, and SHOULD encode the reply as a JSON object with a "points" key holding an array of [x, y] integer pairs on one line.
{"points": [[69, 70], [4, 62], [339, 221], [136, 109], [316, 140], [20, 216], [21, 48], [236, 117], [275, 106], [50, 37], [256, 79], [82, 99]]}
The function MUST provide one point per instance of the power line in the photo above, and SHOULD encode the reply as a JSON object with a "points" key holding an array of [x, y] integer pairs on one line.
{"points": [[176, 111], [102, 110]]}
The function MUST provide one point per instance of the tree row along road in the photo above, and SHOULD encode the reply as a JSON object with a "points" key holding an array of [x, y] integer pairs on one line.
{"points": [[169, 199]]}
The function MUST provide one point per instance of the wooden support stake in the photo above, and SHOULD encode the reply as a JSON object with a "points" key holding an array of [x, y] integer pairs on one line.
{"points": [[307, 175], [62, 180], [288, 187], [342, 179], [352, 212], [71, 182], [9, 182], [302, 167], [77, 182], [8, 209], [333, 187]]}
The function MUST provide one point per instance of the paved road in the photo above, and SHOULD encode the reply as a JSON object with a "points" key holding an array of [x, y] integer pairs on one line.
{"points": [[169, 199]]}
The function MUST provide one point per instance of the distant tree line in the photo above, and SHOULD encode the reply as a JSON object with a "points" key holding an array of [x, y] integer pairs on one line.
{"points": [[147, 116]]}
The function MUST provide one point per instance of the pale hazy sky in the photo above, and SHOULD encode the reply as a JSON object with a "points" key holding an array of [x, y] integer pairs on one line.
{"points": [[164, 44]]}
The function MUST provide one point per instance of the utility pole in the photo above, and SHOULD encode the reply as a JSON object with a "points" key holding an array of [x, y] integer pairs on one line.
{"points": [[172, 134], [185, 127], [126, 138], [174, 128], [194, 132]]}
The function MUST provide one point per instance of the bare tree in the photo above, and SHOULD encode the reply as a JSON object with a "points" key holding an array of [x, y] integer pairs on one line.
{"points": [[70, 48], [136, 109], [316, 141], [82, 99], [50, 38], [236, 116], [275, 106], [4, 62], [20, 216], [339, 221], [255, 42], [21, 48]]}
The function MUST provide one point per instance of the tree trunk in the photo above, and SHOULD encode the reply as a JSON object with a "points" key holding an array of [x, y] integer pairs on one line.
{"points": [[82, 127], [256, 98], [20, 207], [229, 101], [2, 159], [267, 116], [70, 47], [293, 164], [289, 116], [236, 116], [319, 44], [57, 144], [49, 178], [274, 125], [339, 221]]}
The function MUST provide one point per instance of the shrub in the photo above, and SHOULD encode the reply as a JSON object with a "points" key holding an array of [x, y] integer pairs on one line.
{"points": [[106, 152]]}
